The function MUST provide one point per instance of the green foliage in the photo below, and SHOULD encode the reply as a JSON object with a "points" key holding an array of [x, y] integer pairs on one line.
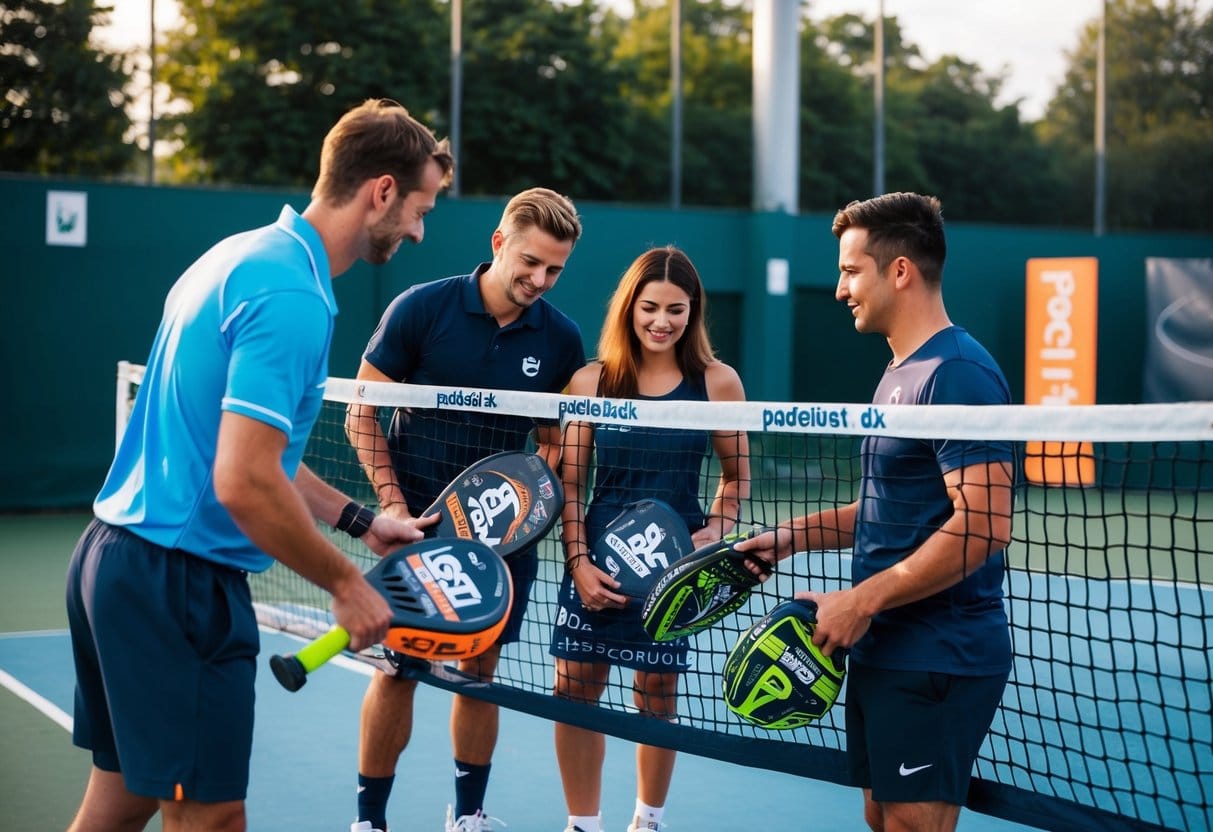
{"points": [[717, 137], [265, 80], [541, 103], [63, 110], [1159, 83], [943, 132], [574, 95]]}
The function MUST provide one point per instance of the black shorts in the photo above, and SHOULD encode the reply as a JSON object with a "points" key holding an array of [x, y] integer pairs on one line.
{"points": [[165, 647], [913, 736]]}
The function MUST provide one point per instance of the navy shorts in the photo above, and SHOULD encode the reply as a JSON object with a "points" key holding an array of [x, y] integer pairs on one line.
{"points": [[913, 736], [165, 647], [612, 637], [523, 566]]}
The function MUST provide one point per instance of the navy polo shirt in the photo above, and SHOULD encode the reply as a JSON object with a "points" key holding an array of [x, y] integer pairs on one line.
{"points": [[439, 333]]}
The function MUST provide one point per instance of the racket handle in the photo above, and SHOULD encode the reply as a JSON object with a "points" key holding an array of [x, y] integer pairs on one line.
{"points": [[291, 670]]}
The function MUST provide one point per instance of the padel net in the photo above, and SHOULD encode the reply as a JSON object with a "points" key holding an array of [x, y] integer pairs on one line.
{"points": [[1107, 720]]}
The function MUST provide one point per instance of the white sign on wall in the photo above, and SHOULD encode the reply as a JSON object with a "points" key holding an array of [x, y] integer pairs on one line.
{"points": [[777, 276], [66, 218]]}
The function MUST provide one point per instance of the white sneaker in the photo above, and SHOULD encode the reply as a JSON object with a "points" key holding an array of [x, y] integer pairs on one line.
{"points": [[478, 822], [363, 826], [651, 827]]}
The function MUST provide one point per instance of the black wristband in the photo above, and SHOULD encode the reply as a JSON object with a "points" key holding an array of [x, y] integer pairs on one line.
{"points": [[355, 519]]}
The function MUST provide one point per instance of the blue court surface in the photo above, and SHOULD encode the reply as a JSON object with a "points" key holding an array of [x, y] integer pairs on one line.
{"points": [[305, 759]]}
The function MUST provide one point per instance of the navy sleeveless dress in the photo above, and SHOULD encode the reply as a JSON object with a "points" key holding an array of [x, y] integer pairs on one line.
{"points": [[633, 462]]}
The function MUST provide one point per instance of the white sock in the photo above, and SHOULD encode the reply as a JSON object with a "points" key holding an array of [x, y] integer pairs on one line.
{"points": [[586, 823], [647, 817]]}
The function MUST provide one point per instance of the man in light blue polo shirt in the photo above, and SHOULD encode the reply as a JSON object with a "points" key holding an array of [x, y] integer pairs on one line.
{"points": [[207, 486], [489, 329]]}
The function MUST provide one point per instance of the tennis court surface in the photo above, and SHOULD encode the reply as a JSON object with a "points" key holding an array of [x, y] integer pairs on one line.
{"points": [[305, 749]]}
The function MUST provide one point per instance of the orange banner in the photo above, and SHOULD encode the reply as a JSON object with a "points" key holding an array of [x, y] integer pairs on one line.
{"points": [[1062, 307]]}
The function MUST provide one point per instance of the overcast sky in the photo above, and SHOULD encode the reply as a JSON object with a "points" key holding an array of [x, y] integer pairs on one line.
{"points": [[1027, 37]]}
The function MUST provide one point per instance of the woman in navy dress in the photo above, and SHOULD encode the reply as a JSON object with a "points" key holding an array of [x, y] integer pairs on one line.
{"points": [[654, 346]]}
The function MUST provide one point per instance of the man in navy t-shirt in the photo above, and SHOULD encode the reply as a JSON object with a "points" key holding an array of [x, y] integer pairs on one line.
{"points": [[930, 648], [489, 329]]}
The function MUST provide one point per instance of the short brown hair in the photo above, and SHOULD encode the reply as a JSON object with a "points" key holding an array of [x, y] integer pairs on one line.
{"points": [[900, 225], [544, 209], [377, 138]]}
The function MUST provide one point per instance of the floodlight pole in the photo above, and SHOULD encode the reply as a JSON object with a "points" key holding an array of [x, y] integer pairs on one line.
{"points": [[151, 98], [878, 59], [456, 88], [1101, 127], [675, 104]]}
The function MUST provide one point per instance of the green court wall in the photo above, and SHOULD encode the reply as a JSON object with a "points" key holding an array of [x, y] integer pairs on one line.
{"points": [[71, 313]]}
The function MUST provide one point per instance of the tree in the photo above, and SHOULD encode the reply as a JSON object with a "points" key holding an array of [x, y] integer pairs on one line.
{"points": [[943, 132], [541, 100], [63, 110], [1159, 86], [263, 80], [717, 146]]}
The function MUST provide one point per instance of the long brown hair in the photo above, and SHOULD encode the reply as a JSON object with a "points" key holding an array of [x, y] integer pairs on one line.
{"points": [[618, 346]]}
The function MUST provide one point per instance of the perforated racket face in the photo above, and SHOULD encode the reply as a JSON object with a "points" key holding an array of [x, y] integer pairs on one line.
{"points": [[641, 543], [508, 501], [449, 597]]}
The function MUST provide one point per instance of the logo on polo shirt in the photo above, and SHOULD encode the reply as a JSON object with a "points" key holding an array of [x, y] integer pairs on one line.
{"points": [[530, 366]]}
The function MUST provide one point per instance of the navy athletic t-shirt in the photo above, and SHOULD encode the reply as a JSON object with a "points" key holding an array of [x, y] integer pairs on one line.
{"points": [[962, 630], [439, 333], [634, 462]]}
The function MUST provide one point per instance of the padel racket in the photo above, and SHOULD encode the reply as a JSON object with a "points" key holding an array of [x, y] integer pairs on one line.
{"points": [[776, 677], [701, 589], [639, 544], [508, 501], [449, 600]]}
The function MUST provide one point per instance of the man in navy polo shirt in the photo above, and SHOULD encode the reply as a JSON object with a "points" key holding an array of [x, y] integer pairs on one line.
{"points": [[207, 486], [489, 329]]}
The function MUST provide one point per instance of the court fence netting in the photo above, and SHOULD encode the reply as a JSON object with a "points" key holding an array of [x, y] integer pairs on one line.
{"points": [[1106, 720]]}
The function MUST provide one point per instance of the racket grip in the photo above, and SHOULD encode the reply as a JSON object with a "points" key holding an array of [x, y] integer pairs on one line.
{"points": [[291, 670]]}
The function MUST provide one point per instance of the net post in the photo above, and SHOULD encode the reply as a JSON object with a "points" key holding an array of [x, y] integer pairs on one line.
{"points": [[121, 412]]}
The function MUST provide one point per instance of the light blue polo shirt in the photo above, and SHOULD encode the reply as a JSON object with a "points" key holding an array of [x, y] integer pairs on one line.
{"points": [[246, 329]]}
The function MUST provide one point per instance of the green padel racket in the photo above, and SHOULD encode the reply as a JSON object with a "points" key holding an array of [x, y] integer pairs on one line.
{"points": [[776, 677], [701, 589]]}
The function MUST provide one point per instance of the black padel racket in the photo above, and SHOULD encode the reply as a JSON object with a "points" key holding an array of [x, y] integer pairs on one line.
{"points": [[508, 501], [449, 600], [639, 544]]}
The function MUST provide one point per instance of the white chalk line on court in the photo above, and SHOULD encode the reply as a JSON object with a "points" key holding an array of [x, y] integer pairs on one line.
{"points": [[56, 714], [34, 633], [44, 705]]}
